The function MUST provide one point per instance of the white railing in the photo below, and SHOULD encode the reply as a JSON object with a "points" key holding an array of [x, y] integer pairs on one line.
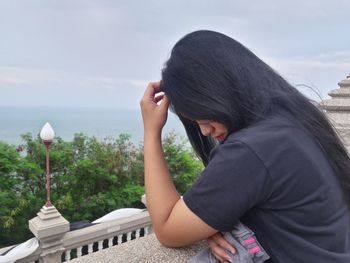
{"points": [[88, 240]]}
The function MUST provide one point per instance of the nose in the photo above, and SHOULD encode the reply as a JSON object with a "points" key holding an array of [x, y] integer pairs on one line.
{"points": [[205, 130]]}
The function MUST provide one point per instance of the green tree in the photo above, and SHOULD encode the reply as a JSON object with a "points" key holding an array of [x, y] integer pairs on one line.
{"points": [[16, 198], [184, 165], [89, 178]]}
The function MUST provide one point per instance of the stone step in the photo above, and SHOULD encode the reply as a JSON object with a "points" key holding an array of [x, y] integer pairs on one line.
{"points": [[336, 104], [344, 92], [345, 83]]}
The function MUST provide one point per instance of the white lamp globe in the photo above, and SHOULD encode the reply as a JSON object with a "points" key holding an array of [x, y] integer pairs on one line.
{"points": [[47, 134]]}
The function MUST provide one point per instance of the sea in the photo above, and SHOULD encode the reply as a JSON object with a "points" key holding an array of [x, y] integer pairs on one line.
{"points": [[101, 123]]}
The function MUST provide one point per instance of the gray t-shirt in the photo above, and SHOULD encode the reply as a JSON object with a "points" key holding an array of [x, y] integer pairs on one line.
{"points": [[275, 178]]}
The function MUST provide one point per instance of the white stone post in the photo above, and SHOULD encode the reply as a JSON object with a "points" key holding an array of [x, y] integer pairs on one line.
{"points": [[338, 109], [49, 227]]}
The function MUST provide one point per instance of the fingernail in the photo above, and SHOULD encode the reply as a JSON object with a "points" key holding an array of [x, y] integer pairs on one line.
{"points": [[230, 251], [229, 258]]}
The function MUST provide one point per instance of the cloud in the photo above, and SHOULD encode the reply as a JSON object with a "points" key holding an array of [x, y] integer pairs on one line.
{"points": [[339, 61], [103, 49], [10, 76], [22, 76], [321, 72], [138, 83], [28, 87]]}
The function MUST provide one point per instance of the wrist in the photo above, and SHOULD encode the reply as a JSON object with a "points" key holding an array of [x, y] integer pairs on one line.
{"points": [[152, 134]]}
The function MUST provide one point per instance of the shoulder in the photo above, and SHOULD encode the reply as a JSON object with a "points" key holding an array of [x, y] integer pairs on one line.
{"points": [[234, 181], [277, 131]]}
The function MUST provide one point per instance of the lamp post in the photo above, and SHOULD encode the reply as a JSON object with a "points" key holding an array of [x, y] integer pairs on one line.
{"points": [[47, 134], [49, 226]]}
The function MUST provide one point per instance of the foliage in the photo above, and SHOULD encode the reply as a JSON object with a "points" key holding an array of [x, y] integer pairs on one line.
{"points": [[184, 165], [89, 178]]}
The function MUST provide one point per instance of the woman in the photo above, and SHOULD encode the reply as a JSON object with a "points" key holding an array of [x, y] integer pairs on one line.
{"points": [[272, 159]]}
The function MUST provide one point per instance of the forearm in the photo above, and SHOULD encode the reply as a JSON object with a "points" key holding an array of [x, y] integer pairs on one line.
{"points": [[173, 222], [161, 193]]}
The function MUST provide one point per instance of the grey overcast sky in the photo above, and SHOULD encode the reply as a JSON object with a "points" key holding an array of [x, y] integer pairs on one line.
{"points": [[102, 53]]}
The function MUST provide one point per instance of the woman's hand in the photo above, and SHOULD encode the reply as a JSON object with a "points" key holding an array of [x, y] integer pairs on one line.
{"points": [[154, 114], [220, 247]]}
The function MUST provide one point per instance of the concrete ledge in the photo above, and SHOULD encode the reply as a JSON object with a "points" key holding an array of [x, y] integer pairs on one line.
{"points": [[145, 249], [102, 231]]}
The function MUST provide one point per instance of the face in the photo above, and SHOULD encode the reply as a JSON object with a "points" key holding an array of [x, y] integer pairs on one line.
{"points": [[215, 129]]}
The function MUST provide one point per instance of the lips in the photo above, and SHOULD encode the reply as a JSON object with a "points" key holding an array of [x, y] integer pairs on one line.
{"points": [[220, 138]]}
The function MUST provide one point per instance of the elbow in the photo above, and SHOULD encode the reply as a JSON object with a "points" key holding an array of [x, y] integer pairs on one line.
{"points": [[166, 241], [171, 241]]}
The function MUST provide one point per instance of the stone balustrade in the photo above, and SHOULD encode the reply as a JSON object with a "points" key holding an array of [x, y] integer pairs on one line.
{"points": [[94, 238], [106, 234]]}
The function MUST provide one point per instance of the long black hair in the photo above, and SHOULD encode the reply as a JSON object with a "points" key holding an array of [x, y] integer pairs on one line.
{"points": [[211, 76]]}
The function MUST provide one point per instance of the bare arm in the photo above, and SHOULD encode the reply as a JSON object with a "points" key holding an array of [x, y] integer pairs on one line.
{"points": [[174, 223]]}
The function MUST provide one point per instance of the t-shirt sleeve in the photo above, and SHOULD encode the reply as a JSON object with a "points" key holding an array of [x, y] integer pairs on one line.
{"points": [[234, 181]]}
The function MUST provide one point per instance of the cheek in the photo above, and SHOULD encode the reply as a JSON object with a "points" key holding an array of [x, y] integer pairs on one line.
{"points": [[221, 128], [206, 129]]}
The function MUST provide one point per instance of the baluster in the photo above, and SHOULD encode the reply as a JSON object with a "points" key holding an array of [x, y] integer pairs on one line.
{"points": [[100, 245], [67, 256], [90, 248], [128, 236], [110, 242], [79, 251], [120, 239], [146, 230], [137, 233]]}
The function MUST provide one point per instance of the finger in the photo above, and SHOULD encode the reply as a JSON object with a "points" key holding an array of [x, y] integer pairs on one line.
{"points": [[213, 247], [220, 254], [158, 98], [151, 90], [165, 103], [221, 241], [218, 257], [149, 93], [156, 85]]}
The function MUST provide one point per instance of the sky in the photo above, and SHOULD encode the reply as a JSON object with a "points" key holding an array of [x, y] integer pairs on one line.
{"points": [[102, 53]]}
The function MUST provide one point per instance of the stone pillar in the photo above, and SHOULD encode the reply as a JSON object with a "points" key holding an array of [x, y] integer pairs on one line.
{"points": [[338, 109], [49, 227]]}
